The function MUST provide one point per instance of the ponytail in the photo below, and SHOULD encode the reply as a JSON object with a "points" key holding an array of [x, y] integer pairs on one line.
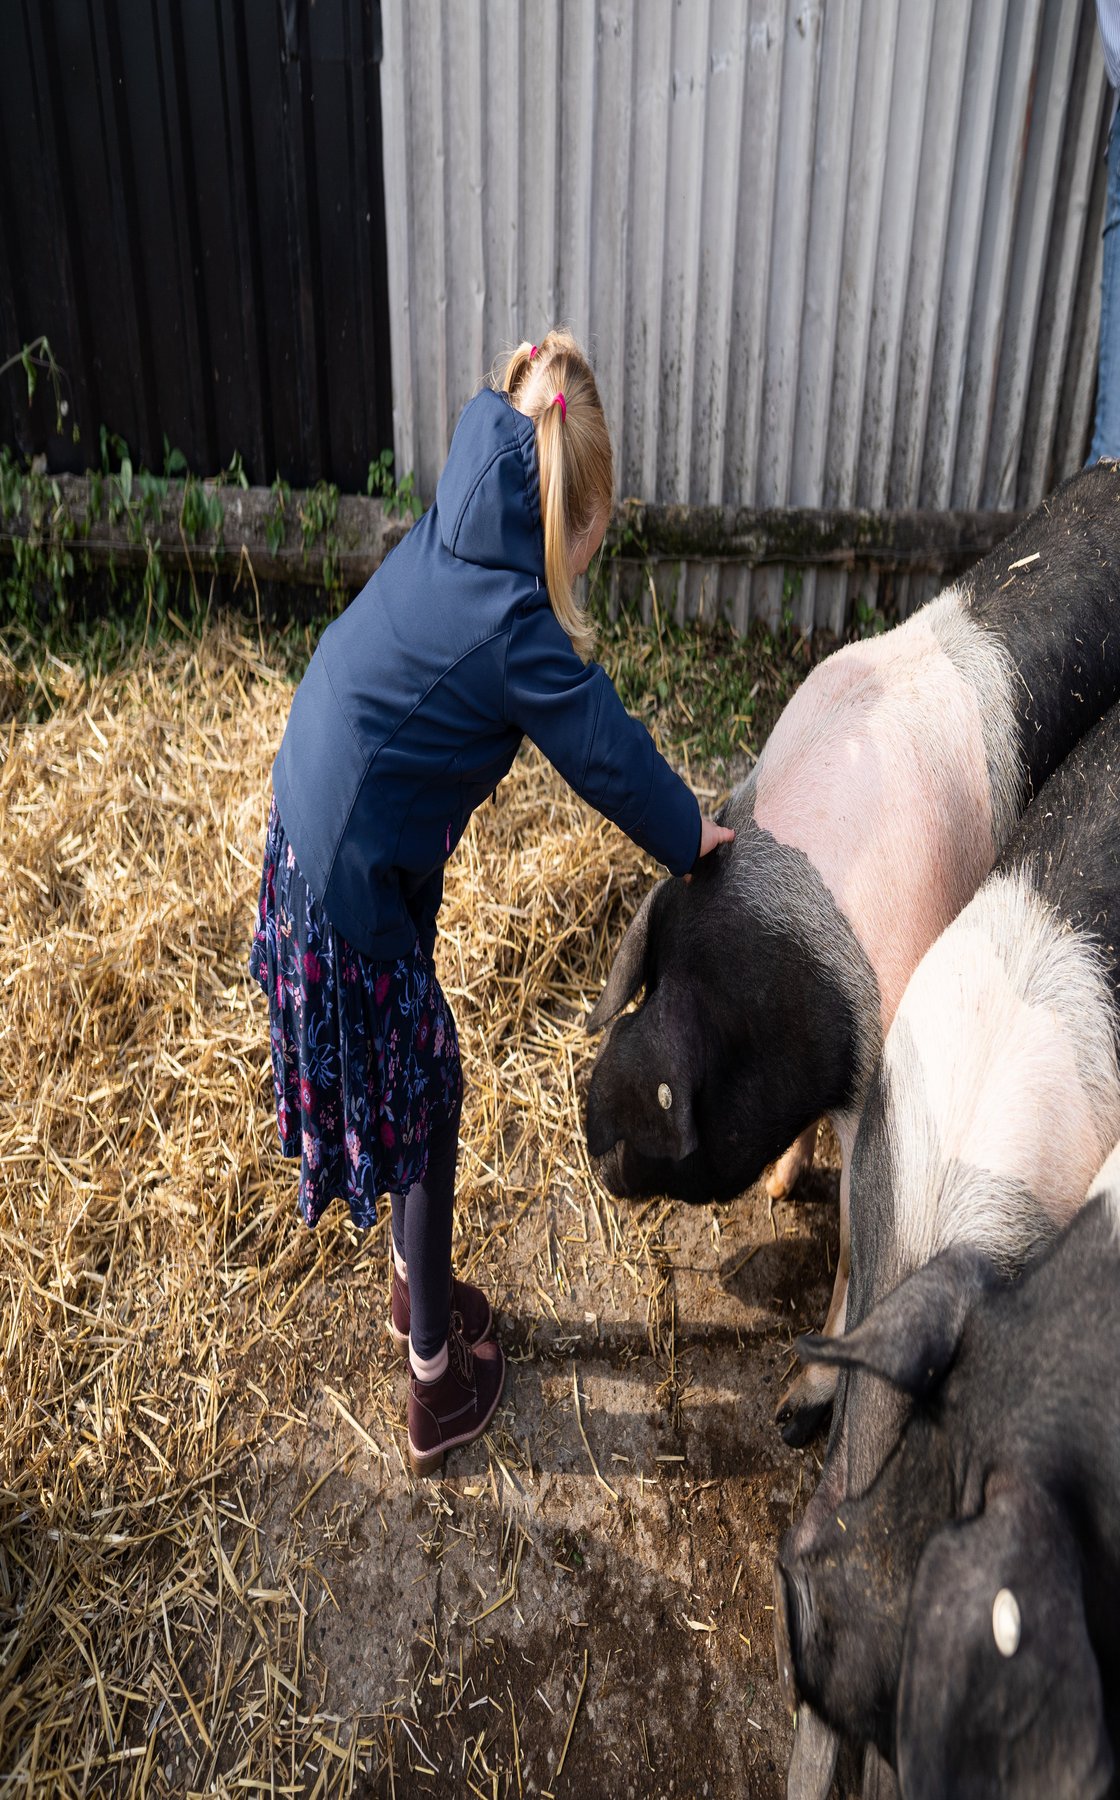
{"points": [[553, 385]]}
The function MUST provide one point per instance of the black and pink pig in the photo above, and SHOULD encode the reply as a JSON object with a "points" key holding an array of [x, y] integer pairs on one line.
{"points": [[995, 1098], [887, 788], [964, 1613]]}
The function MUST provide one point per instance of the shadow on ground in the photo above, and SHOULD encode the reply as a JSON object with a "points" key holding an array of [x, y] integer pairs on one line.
{"points": [[581, 1606]]}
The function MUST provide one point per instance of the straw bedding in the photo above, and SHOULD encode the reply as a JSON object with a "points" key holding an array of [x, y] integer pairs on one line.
{"points": [[152, 1268]]}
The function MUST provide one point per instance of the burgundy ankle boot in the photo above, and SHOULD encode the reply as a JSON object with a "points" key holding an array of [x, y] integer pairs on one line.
{"points": [[457, 1407], [469, 1302]]}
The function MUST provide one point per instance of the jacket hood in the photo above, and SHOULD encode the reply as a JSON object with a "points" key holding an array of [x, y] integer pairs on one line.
{"points": [[488, 498]]}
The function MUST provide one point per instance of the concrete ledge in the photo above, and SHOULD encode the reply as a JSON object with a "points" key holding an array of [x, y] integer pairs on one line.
{"points": [[289, 544]]}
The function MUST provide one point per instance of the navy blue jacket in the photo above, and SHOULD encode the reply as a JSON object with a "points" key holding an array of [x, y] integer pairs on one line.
{"points": [[416, 700]]}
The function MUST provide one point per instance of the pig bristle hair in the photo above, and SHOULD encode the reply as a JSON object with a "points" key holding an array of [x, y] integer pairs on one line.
{"points": [[1003, 1079], [776, 882], [984, 662]]}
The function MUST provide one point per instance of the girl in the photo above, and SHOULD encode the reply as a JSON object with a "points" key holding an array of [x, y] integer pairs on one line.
{"points": [[412, 709]]}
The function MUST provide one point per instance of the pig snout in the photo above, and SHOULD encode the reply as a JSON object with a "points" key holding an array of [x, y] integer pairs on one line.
{"points": [[605, 1130], [838, 1617], [609, 1166], [786, 1617], [801, 1633], [601, 1131], [606, 1139], [627, 1174], [620, 1164], [641, 1124]]}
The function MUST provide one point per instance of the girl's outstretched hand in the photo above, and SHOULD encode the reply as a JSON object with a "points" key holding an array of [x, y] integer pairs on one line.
{"points": [[712, 834]]}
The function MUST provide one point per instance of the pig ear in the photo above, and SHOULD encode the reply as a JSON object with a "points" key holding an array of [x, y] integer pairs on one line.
{"points": [[627, 970], [999, 1691], [912, 1336]]}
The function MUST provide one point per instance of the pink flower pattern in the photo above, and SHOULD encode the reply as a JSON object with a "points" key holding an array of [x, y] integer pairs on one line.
{"points": [[365, 1055]]}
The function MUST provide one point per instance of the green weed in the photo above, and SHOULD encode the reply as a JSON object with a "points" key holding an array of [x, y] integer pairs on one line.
{"points": [[708, 694], [400, 497]]}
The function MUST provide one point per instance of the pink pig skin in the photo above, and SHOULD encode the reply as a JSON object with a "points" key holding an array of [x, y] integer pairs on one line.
{"points": [[897, 822]]}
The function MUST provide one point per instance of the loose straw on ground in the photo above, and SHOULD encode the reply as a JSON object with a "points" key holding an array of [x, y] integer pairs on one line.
{"points": [[153, 1612]]}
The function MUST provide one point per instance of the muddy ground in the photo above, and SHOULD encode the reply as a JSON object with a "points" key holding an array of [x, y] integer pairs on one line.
{"points": [[217, 1574], [581, 1604]]}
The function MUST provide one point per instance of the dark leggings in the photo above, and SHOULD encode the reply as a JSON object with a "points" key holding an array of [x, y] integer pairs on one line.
{"points": [[421, 1226]]}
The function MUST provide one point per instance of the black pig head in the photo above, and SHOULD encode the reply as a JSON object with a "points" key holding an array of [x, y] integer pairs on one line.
{"points": [[999, 1691], [754, 1021]]}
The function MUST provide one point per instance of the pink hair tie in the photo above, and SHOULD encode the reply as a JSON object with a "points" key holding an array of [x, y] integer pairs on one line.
{"points": [[532, 352], [558, 399]]}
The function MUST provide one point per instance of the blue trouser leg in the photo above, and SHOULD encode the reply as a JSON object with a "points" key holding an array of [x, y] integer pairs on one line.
{"points": [[421, 1225], [1106, 435]]}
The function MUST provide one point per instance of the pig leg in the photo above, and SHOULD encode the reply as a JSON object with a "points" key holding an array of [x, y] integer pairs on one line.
{"points": [[804, 1407], [782, 1177]]}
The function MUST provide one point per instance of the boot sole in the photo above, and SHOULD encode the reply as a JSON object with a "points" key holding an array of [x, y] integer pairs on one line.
{"points": [[429, 1462]]}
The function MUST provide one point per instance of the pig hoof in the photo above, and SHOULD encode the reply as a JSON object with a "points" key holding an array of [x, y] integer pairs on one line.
{"points": [[800, 1420]]}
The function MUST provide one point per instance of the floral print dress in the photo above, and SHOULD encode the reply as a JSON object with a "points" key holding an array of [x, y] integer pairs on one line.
{"points": [[365, 1055]]}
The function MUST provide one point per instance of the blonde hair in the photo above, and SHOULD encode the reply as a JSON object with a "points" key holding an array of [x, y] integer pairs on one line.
{"points": [[552, 384]]}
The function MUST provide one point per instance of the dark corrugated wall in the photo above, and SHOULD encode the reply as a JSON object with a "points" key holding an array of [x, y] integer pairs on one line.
{"points": [[192, 211]]}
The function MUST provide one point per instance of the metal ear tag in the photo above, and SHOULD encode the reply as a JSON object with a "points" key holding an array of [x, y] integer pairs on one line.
{"points": [[1007, 1624], [665, 1095]]}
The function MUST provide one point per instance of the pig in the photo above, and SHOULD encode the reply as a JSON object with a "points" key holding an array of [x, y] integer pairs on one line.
{"points": [[964, 1613], [996, 1096], [885, 791]]}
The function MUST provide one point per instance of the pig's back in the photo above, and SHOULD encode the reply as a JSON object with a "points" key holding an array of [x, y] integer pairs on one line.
{"points": [[1002, 1062], [895, 770], [1005, 1091], [1050, 597], [1070, 839], [902, 764]]}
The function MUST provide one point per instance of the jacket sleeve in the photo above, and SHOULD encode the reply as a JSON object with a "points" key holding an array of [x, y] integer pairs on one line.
{"points": [[572, 713]]}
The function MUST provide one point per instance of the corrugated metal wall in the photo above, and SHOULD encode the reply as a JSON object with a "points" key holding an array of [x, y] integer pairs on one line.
{"points": [[192, 211], [828, 253]]}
